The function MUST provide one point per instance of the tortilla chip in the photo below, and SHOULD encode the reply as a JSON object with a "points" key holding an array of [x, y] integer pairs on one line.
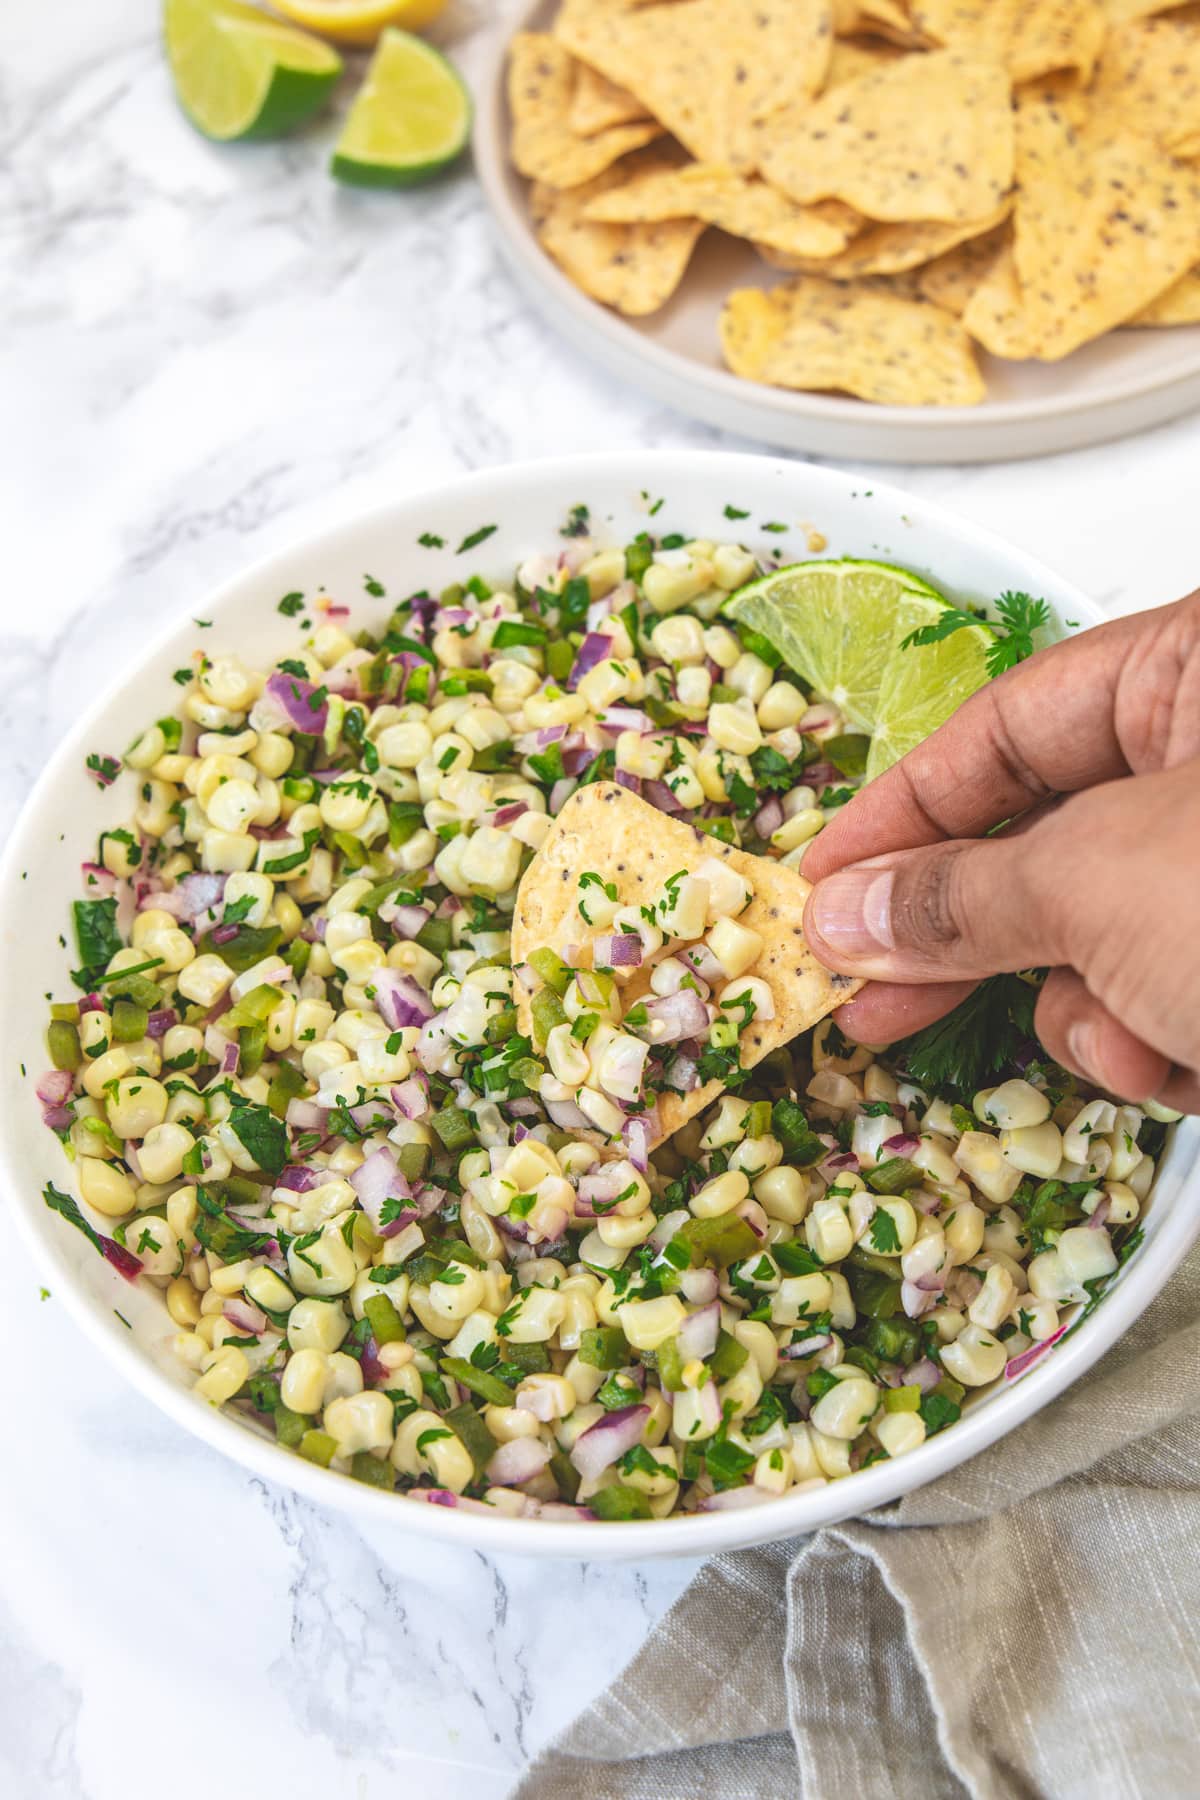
{"points": [[741, 205], [606, 828], [541, 83], [850, 338], [950, 280], [854, 57], [1030, 37], [889, 18], [893, 249], [1105, 225], [1121, 10], [708, 69], [598, 104], [1149, 80], [1180, 305], [635, 268], [931, 137]]}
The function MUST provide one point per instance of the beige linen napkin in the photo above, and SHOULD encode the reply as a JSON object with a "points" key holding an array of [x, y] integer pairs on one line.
{"points": [[1027, 1626]]}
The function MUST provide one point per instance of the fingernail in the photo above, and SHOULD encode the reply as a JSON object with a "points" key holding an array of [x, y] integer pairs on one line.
{"points": [[853, 911], [1083, 1046]]}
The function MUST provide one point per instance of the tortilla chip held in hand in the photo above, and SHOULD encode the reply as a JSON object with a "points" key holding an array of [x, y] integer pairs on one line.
{"points": [[729, 925]]}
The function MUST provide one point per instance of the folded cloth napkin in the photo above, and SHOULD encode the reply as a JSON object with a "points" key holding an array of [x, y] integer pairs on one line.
{"points": [[1027, 1626]]}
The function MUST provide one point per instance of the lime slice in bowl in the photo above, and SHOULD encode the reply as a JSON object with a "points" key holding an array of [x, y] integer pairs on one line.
{"points": [[835, 624], [923, 684], [411, 118], [241, 74]]}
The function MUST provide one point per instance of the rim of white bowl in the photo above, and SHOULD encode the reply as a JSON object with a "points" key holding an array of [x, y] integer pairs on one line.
{"points": [[695, 1534]]}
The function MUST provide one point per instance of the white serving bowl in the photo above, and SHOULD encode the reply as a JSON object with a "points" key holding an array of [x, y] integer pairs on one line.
{"points": [[528, 503]]}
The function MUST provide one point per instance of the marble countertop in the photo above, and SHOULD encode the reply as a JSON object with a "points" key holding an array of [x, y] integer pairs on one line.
{"points": [[204, 351]]}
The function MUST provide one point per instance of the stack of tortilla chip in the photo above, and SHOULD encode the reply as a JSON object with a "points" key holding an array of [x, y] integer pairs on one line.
{"points": [[921, 179]]}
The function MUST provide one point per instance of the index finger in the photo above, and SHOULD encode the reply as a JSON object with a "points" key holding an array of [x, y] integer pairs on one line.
{"points": [[1052, 725]]}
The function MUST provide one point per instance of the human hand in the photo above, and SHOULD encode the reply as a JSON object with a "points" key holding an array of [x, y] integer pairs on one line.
{"points": [[1092, 750]]}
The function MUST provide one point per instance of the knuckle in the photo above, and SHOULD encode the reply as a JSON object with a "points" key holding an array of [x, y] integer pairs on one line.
{"points": [[928, 910]]}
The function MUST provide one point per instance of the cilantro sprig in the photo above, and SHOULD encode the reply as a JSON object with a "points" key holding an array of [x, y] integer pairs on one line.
{"points": [[1020, 616]]}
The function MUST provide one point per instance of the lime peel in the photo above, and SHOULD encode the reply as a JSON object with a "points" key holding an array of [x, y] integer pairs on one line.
{"points": [[410, 120], [240, 74]]}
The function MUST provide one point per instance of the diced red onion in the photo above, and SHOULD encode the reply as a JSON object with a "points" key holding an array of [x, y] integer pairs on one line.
{"points": [[698, 1333], [597, 1448], [683, 1074], [58, 1118], [672, 1017], [769, 816], [625, 718], [447, 616], [298, 1180], [447, 908], [373, 1115], [839, 1162], [660, 795], [216, 1043], [932, 1282], [924, 1373], [560, 793], [1027, 1358], [224, 934], [314, 929], [618, 950], [406, 922], [374, 1372], [596, 646], [55, 1087], [577, 758], [638, 1135], [708, 1404], [542, 1401], [507, 814], [160, 1021], [808, 1346], [701, 958], [400, 1000], [98, 879], [294, 697], [905, 1144], [1100, 1216], [916, 1301], [412, 1096], [624, 779], [444, 1497], [244, 1315], [517, 1461], [230, 1057], [122, 1260], [567, 1116], [305, 1115], [376, 1180], [90, 1003]]}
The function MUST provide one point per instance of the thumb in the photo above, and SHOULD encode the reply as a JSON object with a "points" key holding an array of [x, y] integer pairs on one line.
{"points": [[952, 911]]}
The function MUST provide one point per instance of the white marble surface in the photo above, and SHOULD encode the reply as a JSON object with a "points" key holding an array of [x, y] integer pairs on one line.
{"points": [[204, 351]]}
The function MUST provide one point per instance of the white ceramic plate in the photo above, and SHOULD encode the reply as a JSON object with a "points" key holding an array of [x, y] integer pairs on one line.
{"points": [[1121, 384], [40, 876]]}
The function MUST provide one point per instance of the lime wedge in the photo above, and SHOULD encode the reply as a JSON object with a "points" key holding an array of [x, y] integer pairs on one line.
{"points": [[923, 685], [411, 118], [835, 623], [240, 74]]}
